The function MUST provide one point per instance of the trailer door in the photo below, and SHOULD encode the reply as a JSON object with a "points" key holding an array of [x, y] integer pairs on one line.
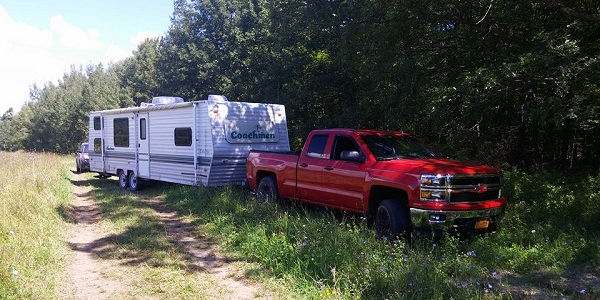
{"points": [[143, 148]]}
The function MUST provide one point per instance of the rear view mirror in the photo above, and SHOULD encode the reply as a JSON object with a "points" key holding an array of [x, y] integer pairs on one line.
{"points": [[353, 156]]}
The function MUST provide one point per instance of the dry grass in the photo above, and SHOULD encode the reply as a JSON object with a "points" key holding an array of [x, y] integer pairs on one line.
{"points": [[32, 187]]}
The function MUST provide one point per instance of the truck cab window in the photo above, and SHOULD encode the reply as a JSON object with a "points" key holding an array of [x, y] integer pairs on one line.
{"points": [[316, 149], [343, 143]]}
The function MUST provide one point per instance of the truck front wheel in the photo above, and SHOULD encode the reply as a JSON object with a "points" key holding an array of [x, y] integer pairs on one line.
{"points": [[392, 220], [267, 190]]}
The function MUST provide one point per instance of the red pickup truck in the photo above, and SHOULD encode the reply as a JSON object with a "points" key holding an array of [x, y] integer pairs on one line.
{"points": [[397, 181]]}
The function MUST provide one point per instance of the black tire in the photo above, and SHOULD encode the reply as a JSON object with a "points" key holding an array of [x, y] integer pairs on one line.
{"points": [[267, 190], [123, 182], [133, 181], [77, 167], [392, 220]]}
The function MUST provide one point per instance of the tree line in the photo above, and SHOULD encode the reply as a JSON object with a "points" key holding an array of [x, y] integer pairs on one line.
{"points": [[497, 81]]}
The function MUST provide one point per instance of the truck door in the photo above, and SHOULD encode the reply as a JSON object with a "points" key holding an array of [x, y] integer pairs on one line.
{"points": [[344, 180], [143, 151], [309, 185]]}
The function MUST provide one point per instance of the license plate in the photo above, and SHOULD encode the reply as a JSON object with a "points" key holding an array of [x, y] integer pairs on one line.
{"points": [[482, 224]]}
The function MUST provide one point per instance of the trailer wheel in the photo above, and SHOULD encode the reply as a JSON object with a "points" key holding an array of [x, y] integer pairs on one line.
{"points": [[392, 220], [133, 181], [123, 179], [267, 190]]}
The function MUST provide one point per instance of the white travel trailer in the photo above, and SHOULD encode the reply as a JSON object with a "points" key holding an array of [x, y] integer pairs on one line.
{"points": [[199, 142]]}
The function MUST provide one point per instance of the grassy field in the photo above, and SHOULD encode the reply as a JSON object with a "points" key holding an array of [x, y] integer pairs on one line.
{"points": [[550, 231], [33, 186]]}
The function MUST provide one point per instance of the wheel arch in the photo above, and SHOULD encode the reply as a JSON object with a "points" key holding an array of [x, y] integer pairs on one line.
{"points": [[260, 174], [379, 193]]}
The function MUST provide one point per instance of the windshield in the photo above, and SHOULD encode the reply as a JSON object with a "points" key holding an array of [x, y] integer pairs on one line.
{"points": [[387, 147], [84, 148]]}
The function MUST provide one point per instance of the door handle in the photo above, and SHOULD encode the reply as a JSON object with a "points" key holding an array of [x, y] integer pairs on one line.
{"points": [[328, 168], [304, 165]]}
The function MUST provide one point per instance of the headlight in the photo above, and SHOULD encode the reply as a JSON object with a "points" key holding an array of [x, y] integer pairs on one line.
{"points": [[433, 180], [433, 188]]}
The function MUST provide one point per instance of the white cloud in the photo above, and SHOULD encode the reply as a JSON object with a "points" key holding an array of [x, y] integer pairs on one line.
{"points": [[142, 36], [30, 54], [24, 56], [71, 36]]}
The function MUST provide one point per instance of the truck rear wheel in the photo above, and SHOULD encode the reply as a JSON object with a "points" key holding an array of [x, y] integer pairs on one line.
{"points": [[392, 220], [267, 190], [123, 179]]}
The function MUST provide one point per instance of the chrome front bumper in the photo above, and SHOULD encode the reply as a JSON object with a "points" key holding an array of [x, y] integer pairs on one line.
{"points": [[437, 222]]}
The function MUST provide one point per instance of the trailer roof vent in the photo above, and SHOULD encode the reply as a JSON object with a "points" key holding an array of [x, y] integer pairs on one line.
{"points": [[145, 104], [164, 100], [217, 98]]}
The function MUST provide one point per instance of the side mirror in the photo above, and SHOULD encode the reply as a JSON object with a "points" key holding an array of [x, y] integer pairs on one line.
{"points": [[353, 156], [78, 151]]}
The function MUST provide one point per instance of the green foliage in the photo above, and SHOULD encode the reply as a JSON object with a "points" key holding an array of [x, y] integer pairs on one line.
{"points": [[56, 119], [502, 82]]}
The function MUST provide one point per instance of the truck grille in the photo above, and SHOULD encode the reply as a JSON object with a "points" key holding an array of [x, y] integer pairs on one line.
{"points": [[474, 188], [464, 188]]}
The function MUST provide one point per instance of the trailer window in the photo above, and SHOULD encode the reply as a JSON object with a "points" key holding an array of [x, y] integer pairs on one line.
{"points": [[143, 129], [316, 148], [97, 123], [121, 132], [183, 136], [97, 145]]}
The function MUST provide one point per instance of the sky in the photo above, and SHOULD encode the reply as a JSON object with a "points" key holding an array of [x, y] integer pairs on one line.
{"points": [[41, 39]]}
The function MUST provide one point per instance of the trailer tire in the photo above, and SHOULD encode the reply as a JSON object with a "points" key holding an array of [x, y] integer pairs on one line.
{"points": [[267, 190], [123, 182], [392, 220], [133, 181]]}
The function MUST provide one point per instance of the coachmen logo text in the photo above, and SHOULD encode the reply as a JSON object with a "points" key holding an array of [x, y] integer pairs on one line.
{"points": [[250, 132], [258, 133]]}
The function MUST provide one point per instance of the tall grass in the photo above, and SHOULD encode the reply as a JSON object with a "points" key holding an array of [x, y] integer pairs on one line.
{"points": [[32, 187], [330, 255], [550, 226]]}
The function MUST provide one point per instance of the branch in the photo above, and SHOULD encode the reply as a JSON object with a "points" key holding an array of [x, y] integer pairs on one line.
{"points": [[486, 13]]}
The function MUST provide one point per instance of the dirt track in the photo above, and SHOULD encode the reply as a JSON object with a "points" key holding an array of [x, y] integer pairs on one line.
{"points": [[92, 275]]}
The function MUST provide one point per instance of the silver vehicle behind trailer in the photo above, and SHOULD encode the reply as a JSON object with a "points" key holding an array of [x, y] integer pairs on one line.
{"points": [[199, 142]]}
